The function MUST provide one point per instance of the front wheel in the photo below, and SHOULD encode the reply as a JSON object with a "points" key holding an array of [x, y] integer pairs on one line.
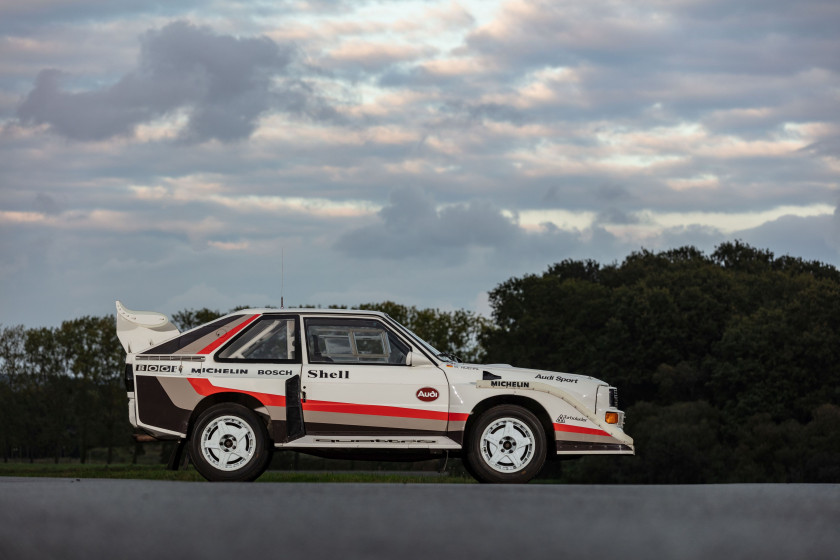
{"points": [[506, 445], [229, 443]]}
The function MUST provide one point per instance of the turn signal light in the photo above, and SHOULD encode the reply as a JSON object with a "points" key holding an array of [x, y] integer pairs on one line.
{"points": [[611, 418]]}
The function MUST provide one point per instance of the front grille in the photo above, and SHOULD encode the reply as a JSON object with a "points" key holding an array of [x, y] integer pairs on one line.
{"points": [[613, 397]]}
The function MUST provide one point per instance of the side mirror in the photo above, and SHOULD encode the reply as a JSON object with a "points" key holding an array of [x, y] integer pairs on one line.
{"points": [[415, 358]]}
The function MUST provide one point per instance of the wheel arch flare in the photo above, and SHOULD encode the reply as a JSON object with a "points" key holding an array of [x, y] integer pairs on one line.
{"points": [[248, 401], [583, 429], [518, 400], [168, 407]]}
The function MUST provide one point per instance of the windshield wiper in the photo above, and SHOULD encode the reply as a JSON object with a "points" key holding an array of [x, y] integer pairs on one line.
{"points": [[450, 357]]}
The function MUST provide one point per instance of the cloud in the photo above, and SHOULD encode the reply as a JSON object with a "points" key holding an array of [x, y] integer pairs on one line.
{"points": [[827, 147], [371, 57], [222, 82], [812, 237], [519, 133], [834, 232], [45, 204], [411, 225]]}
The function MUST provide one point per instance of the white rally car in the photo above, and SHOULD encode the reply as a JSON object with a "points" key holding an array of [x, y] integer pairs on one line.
{"points": [[353, 384]]}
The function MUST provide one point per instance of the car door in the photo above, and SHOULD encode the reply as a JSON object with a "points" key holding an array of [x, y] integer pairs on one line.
{"points": [[357, 382], [261, 361]]}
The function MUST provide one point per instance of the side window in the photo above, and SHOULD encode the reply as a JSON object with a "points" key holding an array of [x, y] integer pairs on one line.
{"points": [[269, 339], [352, 341]]}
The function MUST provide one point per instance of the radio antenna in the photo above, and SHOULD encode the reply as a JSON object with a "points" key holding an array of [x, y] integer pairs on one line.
{"points": [[282, 276]]}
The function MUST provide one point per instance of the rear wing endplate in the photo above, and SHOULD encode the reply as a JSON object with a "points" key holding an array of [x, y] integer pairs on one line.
{"points": [[140, 330]]}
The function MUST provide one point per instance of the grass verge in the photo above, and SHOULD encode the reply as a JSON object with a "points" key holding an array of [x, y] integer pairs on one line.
{"points": [[159, 472]]}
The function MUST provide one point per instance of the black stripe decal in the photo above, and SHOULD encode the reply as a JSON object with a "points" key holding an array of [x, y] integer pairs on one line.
{"points": [[155, 408], [172, 346]]}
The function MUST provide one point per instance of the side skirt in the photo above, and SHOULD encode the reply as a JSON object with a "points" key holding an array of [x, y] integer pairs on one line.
{"points": [[584, 448], [371, 442], [396, 455]]}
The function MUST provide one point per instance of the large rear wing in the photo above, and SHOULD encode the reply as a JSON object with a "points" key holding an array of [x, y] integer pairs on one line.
{"points": [[140, 330]]}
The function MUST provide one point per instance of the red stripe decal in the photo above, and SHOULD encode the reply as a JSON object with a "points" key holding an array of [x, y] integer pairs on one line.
{"points": [[204, 388], [373, 410], [225, 337], [580, 430]]}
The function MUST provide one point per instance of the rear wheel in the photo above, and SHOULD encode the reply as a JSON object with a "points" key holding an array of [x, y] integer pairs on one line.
{"points": [[230, 443], [506, 445]]}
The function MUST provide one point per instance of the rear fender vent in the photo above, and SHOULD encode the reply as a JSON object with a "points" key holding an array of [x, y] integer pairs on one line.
{"points": [[129, 378]]}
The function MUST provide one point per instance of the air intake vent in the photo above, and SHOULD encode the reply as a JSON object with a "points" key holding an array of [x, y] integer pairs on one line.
{"points": [[613, 397], [129, 378], [170, 358]]}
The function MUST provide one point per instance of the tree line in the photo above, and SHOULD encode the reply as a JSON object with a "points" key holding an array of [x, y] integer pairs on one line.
{"points": [[727, 364], [61, 391]]}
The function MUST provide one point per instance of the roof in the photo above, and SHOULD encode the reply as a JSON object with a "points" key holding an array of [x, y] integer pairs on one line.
{"points": [[308, 310]]}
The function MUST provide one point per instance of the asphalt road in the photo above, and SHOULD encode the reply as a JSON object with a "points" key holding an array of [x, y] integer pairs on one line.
{"points": [[92, 519]]}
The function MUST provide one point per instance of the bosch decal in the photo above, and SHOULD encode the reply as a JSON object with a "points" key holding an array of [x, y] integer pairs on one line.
{"points": [[427, 394], [274, 372]]}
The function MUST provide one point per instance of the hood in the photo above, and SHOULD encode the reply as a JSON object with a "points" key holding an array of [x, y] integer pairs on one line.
{"points": [[581, 387], [560, 379]]}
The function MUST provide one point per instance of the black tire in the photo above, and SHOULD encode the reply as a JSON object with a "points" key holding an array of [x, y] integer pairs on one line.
{"points": [[505, 445], [230, 444], [468, 466]]}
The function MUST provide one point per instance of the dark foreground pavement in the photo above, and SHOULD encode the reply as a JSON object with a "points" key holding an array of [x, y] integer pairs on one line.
{"points": [[92, 519]]}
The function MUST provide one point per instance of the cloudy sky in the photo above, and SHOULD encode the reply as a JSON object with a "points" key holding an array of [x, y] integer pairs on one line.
{"points": [[167, 153]]}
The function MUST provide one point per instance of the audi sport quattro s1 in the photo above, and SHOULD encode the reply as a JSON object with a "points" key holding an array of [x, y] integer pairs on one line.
{"points": [[352, 384]]}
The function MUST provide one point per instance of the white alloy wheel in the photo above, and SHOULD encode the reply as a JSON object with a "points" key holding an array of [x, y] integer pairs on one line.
{"points": [[228, 443], [507, 445]]}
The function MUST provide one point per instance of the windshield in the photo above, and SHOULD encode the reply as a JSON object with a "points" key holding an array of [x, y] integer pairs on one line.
{"points": [[437, 353]]}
